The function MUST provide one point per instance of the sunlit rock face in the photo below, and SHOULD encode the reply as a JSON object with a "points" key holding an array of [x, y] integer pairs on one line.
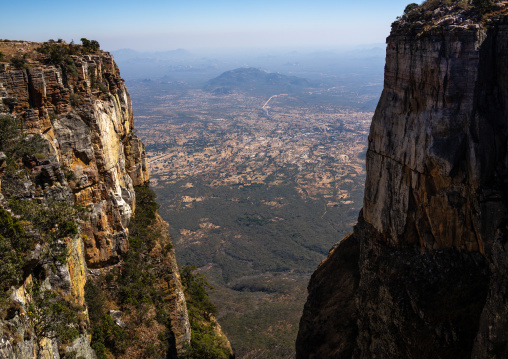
{"points": [[92, 159], [90, 133], [430, 273]]}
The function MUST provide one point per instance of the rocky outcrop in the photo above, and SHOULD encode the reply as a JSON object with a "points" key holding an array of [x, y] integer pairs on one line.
{"points": [[89, 134], [72, 106], [431, 236]]}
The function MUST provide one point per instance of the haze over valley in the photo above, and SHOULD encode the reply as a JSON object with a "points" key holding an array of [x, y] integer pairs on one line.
{"points": [[254, 179], [258, 174]]}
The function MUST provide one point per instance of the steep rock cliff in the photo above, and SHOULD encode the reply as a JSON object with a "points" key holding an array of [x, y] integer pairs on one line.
{"points": [[72, 150], [426, 265]]}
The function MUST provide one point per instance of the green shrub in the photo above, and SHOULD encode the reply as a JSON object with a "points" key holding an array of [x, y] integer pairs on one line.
{"points": [[59, 54], [483, 6], [19, 63], [102, 87], [50, 315], [142, 236], [57, 51], [9, 130], [136, 282], [463, 4], [410, 8], [15, 144], [90, 46], [204, 341], [107, 337], [196, 289], [70, 66], [75, 99], [14, 246], [205, 344], [53, 220]]}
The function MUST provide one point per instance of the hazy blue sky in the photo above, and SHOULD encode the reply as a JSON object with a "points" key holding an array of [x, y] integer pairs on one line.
{"points": [[166, 25]]}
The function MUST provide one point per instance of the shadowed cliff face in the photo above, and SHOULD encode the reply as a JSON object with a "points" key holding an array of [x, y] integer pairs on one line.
{"points": [[432, 233]]}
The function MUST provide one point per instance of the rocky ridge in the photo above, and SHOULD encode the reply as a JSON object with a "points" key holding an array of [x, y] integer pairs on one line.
{"points": [[424, 273], [73, 106]]}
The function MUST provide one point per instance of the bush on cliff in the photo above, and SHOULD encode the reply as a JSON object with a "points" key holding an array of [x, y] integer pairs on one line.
{"points": [[8, 131], [17, 145], [135, 287], [14, 247], [19, 62], [483, 6], [410, 8], [107, 337], [90, 45], [53, 221], [196, 288], [205, 343], [59, 54], [51, 316]]}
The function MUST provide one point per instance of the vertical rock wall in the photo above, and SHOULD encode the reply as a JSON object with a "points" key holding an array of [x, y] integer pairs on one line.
{"points": [[92, 157], [432, 233]]}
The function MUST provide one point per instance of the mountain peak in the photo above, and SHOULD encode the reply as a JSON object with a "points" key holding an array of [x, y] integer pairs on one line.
{"points": [[256, 80]]}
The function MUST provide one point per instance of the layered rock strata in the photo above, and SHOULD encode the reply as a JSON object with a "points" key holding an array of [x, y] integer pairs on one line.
{"points": [[90, 158], [424, 273]]}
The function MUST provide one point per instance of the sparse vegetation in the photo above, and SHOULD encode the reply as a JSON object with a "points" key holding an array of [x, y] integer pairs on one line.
{"points": [[51, 316], [196, 288], [107, 337], [76, 99], [15, 247], [53, 221], [426, 11], [9, 130], [410, 8], [19, 62], [483, 6], [135, 288], [141, 233], [96, 82], [59, 54], [17, 145], [205, 343], [90, 46], [46, 223]]}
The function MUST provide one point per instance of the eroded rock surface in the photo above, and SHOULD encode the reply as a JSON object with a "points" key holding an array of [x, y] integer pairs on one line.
{"points": [[431, 236], [90, 158]]}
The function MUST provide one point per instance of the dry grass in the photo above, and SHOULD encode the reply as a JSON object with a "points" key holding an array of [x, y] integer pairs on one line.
{"points": [[12, 49]]}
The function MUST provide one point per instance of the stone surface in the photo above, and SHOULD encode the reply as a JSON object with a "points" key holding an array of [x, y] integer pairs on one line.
{"points": [[90, 157], [431, 237], [331, 301], [169, 275]]}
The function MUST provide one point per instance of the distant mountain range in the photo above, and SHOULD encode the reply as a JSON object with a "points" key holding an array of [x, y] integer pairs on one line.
{"points": [[178, 54], [255, 80]]}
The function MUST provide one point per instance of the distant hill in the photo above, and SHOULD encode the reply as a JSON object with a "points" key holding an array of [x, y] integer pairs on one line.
{"points": [[254, 81]]}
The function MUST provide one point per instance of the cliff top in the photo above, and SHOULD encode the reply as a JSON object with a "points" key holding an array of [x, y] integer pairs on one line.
{"points": [[450, 14], [25, 54]]}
